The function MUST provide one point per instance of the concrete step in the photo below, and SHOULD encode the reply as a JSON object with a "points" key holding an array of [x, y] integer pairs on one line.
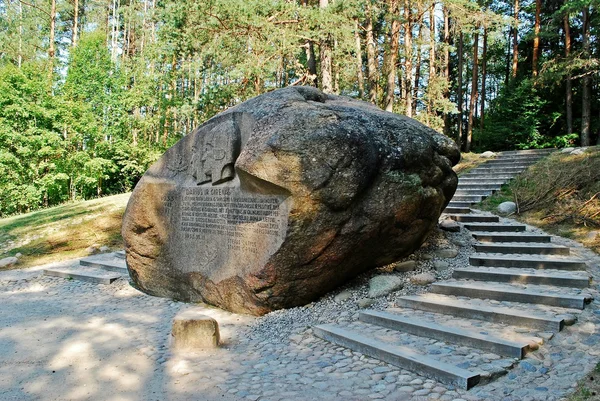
{"points": [[504, 292], [480, 192], [521, 161], [115, 264], [403, 357], [478, 181], [523, 248], [438, 303], [459, 204], [467, 198], [475, 218], [460, 210], [495, 227], [510, 237], [498, 170], [468, 338], [120, 254], [481, 186], [523, 276], [90, 275], [535, 152], [502, 166], [531, 262]]}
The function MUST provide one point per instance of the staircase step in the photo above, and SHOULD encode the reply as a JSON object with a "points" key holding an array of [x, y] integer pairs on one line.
{"points": [[438, 303], [523, 248], [479, 192], [475, 218], [440, 332], [115, 265], [510, 237], [511, 161], [468, 198], [398, 356], [488, 187], [459, 204], [503, 292], [495, 227], [533, 262], [512, 275], [450, 209], [530, 152], [482, 181], [90, 275], [120, 254]]}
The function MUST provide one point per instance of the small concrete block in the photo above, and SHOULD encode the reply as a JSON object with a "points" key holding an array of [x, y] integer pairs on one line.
{"points": [[193, 330]]}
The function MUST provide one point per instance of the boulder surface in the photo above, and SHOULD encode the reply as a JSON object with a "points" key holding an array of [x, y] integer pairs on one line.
{"points": [[279, 200]]}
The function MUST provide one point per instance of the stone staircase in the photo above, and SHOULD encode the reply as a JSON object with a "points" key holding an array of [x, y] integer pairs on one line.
{"points": [[98, 269], [518, 289]]}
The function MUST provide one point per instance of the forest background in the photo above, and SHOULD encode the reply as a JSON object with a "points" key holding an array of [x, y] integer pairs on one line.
{"points": [[93, 91]]}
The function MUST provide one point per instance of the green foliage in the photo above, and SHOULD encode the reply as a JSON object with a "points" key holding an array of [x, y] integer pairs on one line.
{"points": [[514, 120]]}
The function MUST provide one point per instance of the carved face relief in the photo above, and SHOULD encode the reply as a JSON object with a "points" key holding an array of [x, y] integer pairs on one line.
{"points": [[220, 149]]}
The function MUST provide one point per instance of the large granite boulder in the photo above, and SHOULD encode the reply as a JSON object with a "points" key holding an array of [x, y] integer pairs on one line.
{"points": [[282, 198]]}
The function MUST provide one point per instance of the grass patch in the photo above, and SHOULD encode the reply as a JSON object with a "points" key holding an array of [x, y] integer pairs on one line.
{"points": [[588, 388], [468, 161], [560, 194], [63, 232]]}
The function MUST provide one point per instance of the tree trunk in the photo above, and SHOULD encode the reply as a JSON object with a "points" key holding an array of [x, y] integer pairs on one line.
{"points": [[586, 82], [20, 51], [393, 55], [359, 64], [325, 56], [483, 78], [431, 57], [408, 58], [447, 120], [371, 56], [536, 39], [515, 61], [417, 69], [75, 23], [569, 90], [473, 99], [51, 49], [460, 88]]}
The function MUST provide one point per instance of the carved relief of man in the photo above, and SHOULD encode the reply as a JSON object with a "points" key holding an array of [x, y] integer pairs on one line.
{"points": [[220, 148]]}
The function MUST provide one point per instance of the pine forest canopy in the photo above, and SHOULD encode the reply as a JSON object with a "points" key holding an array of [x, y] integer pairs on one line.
{"points": [[92, 92]]}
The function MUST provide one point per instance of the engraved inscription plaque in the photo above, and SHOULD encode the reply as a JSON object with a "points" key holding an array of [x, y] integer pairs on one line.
{"points": [[227, 227]]}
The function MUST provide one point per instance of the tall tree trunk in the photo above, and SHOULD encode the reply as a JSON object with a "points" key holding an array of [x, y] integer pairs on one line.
{"points": [[586, 82], [447, 120], [483, 78], [473, 99], [431, 57], [51, 49], [75, 30], [536, 39], [325, 56], [115, 32], [418, 68], [371, 56], [20, 51], [393, 55], [460, 88], [408, 53], [359, 63], [515, 61], [569, 90]]}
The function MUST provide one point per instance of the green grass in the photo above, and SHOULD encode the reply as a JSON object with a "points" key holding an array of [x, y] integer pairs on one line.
{"points": [[588, 388], [63, 232], [468, 161]]}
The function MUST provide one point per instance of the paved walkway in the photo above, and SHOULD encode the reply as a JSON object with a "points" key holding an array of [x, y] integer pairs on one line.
{"points": [[70, 340]]}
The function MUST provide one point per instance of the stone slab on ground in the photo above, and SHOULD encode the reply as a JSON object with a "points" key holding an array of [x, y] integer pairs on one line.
{"points": [[193, 330], [89, 274]]}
